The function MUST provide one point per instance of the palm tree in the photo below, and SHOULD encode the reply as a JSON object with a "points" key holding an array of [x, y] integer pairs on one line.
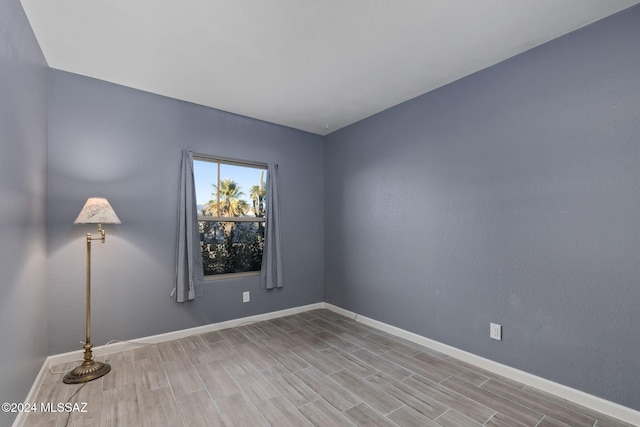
{"points": [[257, 194], [226, 200]]}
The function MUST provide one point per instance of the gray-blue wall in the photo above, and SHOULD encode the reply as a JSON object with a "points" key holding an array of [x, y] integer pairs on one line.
{"points": [[123, 144], [510, 196], [23, 151]]}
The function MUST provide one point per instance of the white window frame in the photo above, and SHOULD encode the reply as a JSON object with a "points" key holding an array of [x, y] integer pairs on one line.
{"points": [[233, 162]]}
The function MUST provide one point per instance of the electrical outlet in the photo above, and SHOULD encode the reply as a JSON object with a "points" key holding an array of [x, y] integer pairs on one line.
{"points": [[495, 331], [246, 296]]}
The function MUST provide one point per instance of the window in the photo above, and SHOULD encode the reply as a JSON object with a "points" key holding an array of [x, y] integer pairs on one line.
{"points": [[231, 202]]}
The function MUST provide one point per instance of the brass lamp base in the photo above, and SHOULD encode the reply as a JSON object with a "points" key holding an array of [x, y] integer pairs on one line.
{"points": [[87, 372]]}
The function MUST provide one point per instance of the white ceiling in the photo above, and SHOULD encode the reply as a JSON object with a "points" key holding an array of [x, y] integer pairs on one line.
{"points": [[314, 65]]}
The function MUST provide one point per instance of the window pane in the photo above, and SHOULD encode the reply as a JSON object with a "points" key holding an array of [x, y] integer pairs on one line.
{"points": [[233, 191], [231, 247], [205, 175], [241, 191]]}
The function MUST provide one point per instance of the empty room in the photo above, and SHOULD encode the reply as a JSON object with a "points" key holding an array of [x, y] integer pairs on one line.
{"points": [[320, 212]]}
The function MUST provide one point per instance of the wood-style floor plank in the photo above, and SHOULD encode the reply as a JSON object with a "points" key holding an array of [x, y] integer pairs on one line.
{"points": [[552, 409], [87, 400], [366, 392], [197, 410], [349, 362], [256, 387], [444, 365], [120, 408], [182, 379], [172, 351], [317, 360], [453, 418], [454, 400], [158, 408], [363, 415], [321, 414], [290, 386], [411, 397], [150, 374], [383, 364], [122, 373], [237, 410], [197, 349], [217, 380], [279, 412], [330, 391], [521, 414], [409, 417]]}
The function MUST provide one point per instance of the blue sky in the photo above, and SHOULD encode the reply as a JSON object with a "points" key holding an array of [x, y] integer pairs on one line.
{"points": [[206, 174]]}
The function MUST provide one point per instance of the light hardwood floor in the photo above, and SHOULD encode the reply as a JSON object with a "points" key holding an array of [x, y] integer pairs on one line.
{"points": [[314, 368]]}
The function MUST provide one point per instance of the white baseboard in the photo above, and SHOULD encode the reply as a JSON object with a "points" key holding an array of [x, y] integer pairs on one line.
{"points": [[593, 402], [596, 403]]}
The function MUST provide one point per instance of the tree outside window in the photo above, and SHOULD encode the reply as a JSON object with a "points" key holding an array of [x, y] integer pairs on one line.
{"points": [[230, 198]]}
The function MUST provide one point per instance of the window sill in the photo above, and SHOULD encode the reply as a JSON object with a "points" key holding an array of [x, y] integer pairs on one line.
{"points": [[218, 277]]}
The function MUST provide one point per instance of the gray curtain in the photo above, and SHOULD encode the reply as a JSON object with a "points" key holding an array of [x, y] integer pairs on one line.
{"points": [[271, 273], [189, 264]]}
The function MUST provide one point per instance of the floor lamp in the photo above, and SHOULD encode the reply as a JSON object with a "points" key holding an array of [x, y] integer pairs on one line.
{"points": [[97, 210]]}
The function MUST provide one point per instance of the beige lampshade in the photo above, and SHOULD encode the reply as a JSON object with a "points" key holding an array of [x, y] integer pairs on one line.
{"points": [[97, 210]]}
